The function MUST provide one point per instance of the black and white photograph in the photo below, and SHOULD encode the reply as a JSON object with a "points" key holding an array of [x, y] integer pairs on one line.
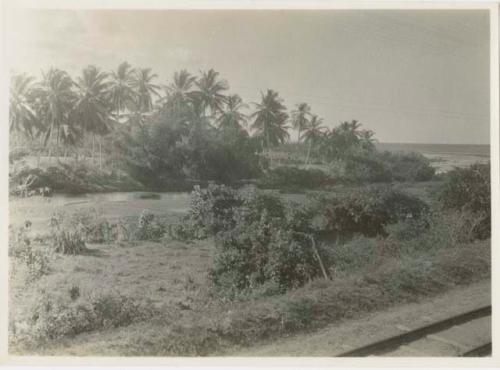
{"points": [[249, 183]]}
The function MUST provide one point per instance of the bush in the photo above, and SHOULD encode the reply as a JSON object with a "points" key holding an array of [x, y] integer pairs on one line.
{"points": [[166, 148], [352, 256], [294, 178], [55, 316], [368, 211], [211, 210], [270, 248], [257, 253], [410, 166], [66, 237], [32, 255], [365, 169], [94, 227], [296, 314], [70, 179], [468, 189], [149, 227]]}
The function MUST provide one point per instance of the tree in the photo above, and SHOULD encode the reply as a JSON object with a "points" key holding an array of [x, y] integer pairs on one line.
{"points": [[231, 117], [22, 115], [270, 120], [179, 91], [367, 138], [145, 89], [92, 108], [313, 134], [209, 94], [54, 100], [300, 119], [121, 92]]}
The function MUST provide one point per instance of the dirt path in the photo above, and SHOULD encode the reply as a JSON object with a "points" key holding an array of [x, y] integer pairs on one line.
{"points": [[354, 333]]}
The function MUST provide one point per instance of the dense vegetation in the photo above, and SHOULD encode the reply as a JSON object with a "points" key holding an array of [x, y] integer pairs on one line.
{"points": [[362, 235], [174, 136]]}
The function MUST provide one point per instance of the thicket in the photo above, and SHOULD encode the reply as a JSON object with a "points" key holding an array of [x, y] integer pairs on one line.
{"points": [[469, 190], [167, 154], [367, 211], [70, 179], [294, 178], [408, 166], [267, 246], [376, 167], [55, 315]]}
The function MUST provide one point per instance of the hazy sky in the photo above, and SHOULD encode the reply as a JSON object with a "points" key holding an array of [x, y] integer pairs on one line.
{"points": [[411, 76]]}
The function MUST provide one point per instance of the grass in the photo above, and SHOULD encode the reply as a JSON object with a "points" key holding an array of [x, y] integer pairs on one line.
{"points": [[172, 279], [172, 310]]}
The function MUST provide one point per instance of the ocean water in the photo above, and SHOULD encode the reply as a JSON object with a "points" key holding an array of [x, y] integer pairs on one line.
{"points": [[444, 157]]}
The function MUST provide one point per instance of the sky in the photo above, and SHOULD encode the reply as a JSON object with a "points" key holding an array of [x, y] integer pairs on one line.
{"points": [[412, 76]]}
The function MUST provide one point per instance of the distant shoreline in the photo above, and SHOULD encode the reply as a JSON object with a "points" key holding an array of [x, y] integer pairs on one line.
{"points": [[476, 150]]}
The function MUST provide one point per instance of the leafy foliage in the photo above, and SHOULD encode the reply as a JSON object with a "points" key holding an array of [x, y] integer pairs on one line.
{"points": [[35, 257], [149, 227], [408, 166], [468, 190], [95, 228], [66, 237], [368, 211], [293, 177], [54, 316]]}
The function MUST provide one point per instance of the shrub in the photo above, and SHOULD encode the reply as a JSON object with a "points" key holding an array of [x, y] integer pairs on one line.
{"points": [[211, 210], [257, 253], [270, 248], [149, 226], [32, 255], [365, 169], [296, 314], [352, 256], [66, 237], [368, 210], [94, 227], [294, 178], [468, 189], [410, 166], [70, 179], [55, 316]]}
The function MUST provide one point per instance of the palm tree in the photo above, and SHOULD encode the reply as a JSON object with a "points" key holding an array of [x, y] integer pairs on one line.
{"points": [[209, 95], [231, 117], [179, 91], [145, 89], [22, 115], [368, 140], [300, 118], [270, 120], [313, 134], [92, 108], [121, 92], [54, 99]]}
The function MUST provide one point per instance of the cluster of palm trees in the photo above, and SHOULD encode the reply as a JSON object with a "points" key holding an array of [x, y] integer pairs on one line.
{"points": [[337, 142], [58, 110]]}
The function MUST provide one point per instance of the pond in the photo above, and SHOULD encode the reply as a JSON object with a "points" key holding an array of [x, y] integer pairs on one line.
{"points": [[111, 205]]}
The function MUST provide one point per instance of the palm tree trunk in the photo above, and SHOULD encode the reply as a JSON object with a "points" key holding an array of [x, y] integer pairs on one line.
{"points": [[93, 149], [308, 153], [100, 153], [269, 151]]}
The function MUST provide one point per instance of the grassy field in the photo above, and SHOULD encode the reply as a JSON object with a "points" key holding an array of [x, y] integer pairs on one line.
{"points": [[156, 298]]}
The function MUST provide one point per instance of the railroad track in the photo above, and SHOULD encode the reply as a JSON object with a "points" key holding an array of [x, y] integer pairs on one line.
{"points": [[464, 335]]}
